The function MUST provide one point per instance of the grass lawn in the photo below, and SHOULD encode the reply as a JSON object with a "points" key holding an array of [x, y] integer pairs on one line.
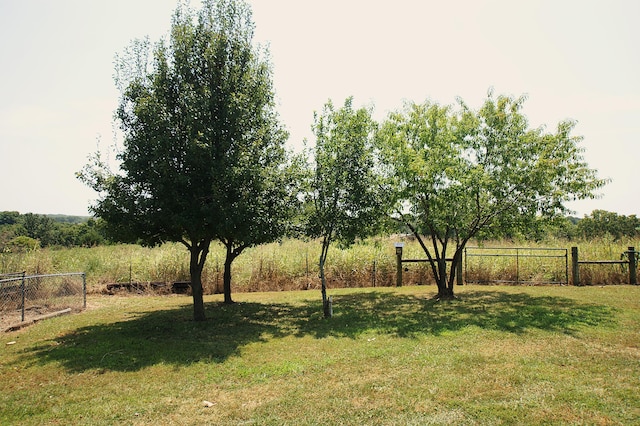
{"points": [[498, 355]]}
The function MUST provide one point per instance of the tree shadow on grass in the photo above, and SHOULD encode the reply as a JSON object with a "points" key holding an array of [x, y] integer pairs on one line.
{"points": [[171, 337], [409, 316]]}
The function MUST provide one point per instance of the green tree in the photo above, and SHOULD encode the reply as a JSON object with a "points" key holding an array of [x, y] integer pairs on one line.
{"points": [[458, 172], [345, 200], [9, 218], [203, 155], [22, 244], [90, 233], [601, 223], [39, 227], [9, 227]]}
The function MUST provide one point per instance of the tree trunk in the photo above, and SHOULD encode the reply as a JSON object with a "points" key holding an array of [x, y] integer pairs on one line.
{"points": [[226, 280], [199, 253], [325, 301], [445, 289], [455, 275], [323, 257], [446, 294], [441, 278], [198, 298]]}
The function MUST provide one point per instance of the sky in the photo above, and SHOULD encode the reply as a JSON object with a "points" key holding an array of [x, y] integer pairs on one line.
{"points": [[573, 59]]}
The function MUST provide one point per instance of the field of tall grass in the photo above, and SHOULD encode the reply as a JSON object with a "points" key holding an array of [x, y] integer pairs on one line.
{"points": [[292, 264]]}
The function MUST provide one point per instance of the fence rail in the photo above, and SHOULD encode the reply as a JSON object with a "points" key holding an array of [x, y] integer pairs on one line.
{"points": [[518, 253], [631, 260], [23, 296], [524, 272]]}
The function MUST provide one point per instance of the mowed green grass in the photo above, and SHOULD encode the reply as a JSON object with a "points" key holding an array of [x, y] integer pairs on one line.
{"points": [[389, 356]]}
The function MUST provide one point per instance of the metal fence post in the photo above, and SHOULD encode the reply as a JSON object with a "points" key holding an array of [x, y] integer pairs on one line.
{"points": [[633, 277], [466, 266], [84, 290], [517, 266], [23, 291]]}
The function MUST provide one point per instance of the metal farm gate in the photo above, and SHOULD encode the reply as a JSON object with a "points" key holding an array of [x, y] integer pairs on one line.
{"points": [[516, 265]]}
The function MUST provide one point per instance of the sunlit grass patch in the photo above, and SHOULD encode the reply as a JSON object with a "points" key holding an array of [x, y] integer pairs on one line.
{"points": [[496, 355]]}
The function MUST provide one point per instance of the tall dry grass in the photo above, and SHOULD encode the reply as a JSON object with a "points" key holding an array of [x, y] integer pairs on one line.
{"points": [[292, 264], [549, 269]]}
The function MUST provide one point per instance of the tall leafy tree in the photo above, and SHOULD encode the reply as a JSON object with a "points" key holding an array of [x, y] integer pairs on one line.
{"points": [[345, 200], [458, 172], [203, 155]]}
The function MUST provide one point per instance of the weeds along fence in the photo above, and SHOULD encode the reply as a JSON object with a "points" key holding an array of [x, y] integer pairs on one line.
{"points": [[29, 297], [539, 265], [282, 266], [516, 265], [582, 270], [292, 264]]}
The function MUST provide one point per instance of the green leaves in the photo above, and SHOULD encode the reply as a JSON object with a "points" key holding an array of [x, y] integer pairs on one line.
{"points": [[203, 153], [203, 148], [345, 197], [458, 172], [461, 170]]}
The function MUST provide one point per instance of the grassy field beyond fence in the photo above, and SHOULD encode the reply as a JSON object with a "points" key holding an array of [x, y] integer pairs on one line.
{"points": [[292, 264], [389, 356]]}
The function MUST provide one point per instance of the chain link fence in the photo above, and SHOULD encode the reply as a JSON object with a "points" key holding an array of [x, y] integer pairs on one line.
{"points": [[31, 297]]}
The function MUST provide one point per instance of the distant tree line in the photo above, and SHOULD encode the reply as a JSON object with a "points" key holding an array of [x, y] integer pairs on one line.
{"points": [[21, 232], [598, 224], [602, 223]]}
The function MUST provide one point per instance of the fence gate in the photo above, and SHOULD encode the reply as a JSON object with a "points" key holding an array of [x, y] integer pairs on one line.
{"points": [[516, 265]]}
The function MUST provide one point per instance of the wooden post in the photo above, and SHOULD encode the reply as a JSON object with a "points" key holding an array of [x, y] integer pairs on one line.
{"points": [[373, 279], [633, 277], [399, 264], [575, 273]]}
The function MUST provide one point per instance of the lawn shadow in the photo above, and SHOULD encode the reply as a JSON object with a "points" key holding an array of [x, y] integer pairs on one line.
{"points": [[409, 315], [172, 337], [167, 336]]}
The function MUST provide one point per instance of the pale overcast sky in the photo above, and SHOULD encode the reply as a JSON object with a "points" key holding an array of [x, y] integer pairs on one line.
{"points": [[576, 59]]}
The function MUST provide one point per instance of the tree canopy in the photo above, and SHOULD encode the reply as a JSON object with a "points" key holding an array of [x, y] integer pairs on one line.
{"points": [[457, 171], [203, 155], [203, 158], [344, 197]]}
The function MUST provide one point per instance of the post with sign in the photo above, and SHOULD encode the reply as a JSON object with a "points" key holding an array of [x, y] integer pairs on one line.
{"points": [[399, 264]]}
